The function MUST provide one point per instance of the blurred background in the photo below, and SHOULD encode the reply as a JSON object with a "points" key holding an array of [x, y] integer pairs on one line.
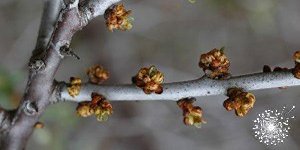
{"points": [[170, 34]]}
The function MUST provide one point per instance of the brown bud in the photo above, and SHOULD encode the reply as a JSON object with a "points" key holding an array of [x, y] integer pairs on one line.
{"points": [[150, 80], [296, 70], [98, 106], [97, 74], [278, 69], [117, 17], [192, 114], [267, 68], [297, 56], [102, 108], [215, 64], [239, 100], [84, 109], [74, 87], [39, 125]]}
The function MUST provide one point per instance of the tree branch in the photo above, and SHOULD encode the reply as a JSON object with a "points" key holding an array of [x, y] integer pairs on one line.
{"points": [[48, 22], [45, 62], [175, 91]]}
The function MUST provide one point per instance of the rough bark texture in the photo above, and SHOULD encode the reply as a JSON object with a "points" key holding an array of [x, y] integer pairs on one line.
{"points": [[44, 64]]}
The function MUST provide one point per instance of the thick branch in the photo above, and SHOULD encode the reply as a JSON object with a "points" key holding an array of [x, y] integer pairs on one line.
{"points": [[5, 119], [48, 21], [44, 64], [175, 91]]}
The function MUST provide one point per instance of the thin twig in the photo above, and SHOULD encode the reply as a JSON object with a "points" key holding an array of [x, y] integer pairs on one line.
{"points": [[175, 91]]}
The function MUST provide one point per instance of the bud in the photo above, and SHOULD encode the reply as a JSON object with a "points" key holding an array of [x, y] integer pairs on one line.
{"points": [[192, 114], [97, 74], [150, 80], [117, 17], [239, 100], [102, 108], [74, 87], [39, 125], [296, 70], [84, 109], [98, 106], [215, 64]]}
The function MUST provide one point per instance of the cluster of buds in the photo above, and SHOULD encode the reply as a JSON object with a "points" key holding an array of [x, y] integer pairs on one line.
{"points": [[296, 70], [149, 79], [97, 74], [239, 100], [192, 114], [98, 106], [117, 17], [215, 64], [74, 87]]}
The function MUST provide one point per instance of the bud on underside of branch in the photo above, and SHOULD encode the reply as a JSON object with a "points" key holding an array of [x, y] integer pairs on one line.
{"points": [[192, 114], [98, 106], [239, 100]]}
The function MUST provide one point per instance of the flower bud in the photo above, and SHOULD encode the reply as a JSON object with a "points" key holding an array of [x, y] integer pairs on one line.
{"points": [[117, 17], [215, 64], [239, 100], [192, 114], [150, 80], [74, 87], [97, 74]]}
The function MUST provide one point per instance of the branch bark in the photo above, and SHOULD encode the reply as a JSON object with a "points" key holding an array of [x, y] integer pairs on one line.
{"points": [[46, 58], [175, 91]]}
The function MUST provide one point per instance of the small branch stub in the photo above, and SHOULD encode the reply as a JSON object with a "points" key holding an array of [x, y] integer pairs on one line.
{"points": [[150, 80], [67, 51], [117, 17], [37, 65], [30, 108], [239, 100], [73, 4], [192, 114], [215, 64]]}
